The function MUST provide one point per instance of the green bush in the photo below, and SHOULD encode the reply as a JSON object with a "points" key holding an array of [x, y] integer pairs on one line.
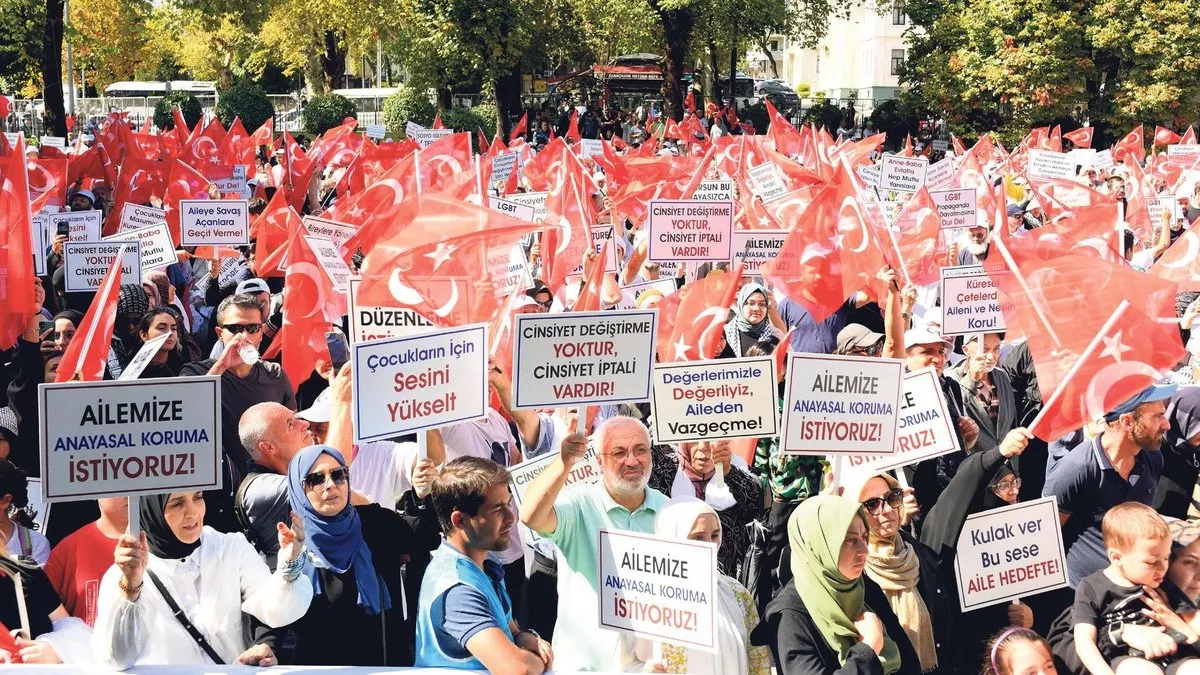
{"points": [[757, 115], [803, 90], [187, 103], [468, 119], [326, 112], [404, 106], [247, 101], [891, 118], [824, 114]]}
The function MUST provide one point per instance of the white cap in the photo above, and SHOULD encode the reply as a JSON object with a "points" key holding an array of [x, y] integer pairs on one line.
{"points": [[319, 411], [921, 335]]}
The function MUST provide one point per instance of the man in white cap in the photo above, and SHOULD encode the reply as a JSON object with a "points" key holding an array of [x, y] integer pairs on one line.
{"points": [[83, 200]]}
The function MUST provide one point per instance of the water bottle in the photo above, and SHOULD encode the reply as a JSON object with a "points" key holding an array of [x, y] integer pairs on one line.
{"points": [[249, 353]]}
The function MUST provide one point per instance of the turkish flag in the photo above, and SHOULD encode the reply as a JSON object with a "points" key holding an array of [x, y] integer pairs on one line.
{"points": [[971, 175], [808, 267], [274, 229], [138, 181], [521, 128], [482, 141], [1055, 141], [1139, 192], [568, 227], [437, 120], [1179, 263], [183, 182], [781, 134], [1189, 136], [689, 102], [919, 240], [47, 183], [5, 107], [692, 320], [1165, 136], [858, 239], [16, 254], [310, 306], [236, 147], [589, 299], [86, 165], [337, 146], [573, 134], [446, 166], [298, 171], [386, 206], [370, 165], [1081, 137], [85, 357], [265, 134], [1133, 145]]}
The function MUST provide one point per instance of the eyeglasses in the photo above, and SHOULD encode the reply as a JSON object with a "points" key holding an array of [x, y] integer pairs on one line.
{"points": [[873, 350], [622, 455], [339, 476], [893, 499], [236, 328], [1006, 485]]}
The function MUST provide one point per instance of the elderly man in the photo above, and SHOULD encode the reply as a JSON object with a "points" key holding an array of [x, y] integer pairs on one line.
{"points": [[273, 434], [1121, 464], [622, 501], [974, 251], [988, 398]]}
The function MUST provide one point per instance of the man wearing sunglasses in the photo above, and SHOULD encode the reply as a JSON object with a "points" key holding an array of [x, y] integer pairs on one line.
{"points": [[239, 322]]}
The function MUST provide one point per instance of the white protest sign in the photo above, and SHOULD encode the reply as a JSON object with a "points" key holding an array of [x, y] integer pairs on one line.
{"points": [[86, 263], [714, 191], [589, 147], [84, 225], [1184, 152], [752, 248], [940, 173], [374, 323], [1083, 156], [110, 439], [506, 265], [424, 381], [535, 199], [1049, 164], [427, 137], [940, 145], [514, 209], [1164, 205], [711, 400], [924, 430], [902, 174], [143, 357], [839, 405], [972, 302], [582, 358], [40, 239], [584, 471], [231, 270], [214, 222], [53, 141], [503, 166], [631, 293], [659, 589], [869, 173], [229, 179], [412, 128], [376, 131], [1010, 552], [957, 208], [154, 245], [766, 182], [338, 233], [135, 217], [1104, 159], [334, 266], [691, 230], [41, 510], [12, 138]]}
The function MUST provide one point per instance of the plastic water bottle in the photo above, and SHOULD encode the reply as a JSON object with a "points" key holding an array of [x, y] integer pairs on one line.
{"points": [[249, 353]]}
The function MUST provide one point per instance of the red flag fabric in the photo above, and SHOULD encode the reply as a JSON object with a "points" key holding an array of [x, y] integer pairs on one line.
{"points": [[481, 141], [5, 107], [310, 306], [16, 256], [589, 299], [446, 166], [85, 357], [47, 183], [337, 146], [236, 147], [858, 239], [808, 267], [1189, 136], [1133, 145], [782, 134], [573, 134], [1138, 195], [183, 182], [919, 239], [204, 147], [570, 215], [1081, 137], [1165, 136], [689, 102], [693, 317], [298, 171], [264, 134], [521, 128], [138, 180], [274, 230], [1181, 262], [437, 120]]}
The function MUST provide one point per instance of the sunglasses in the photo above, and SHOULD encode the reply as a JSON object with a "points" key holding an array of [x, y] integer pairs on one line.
{"points": [[873, 350], [339, 476], [235, 328], [893, 499]]}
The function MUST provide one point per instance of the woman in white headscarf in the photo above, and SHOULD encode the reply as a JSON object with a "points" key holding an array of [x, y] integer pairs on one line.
{"points": [[736, 614]]}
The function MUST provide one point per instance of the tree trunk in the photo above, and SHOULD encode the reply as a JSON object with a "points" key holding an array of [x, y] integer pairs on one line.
{"points": [[712, 81], [765, 45], [733, 49], [444, 98], [314, 76], [52, 75], [333, 61], [508, 99], [677, 29]]}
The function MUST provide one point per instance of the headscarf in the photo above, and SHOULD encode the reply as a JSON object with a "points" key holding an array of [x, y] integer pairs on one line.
{"points": [[816, 531], [70, 315], [131, 299], [162, 541], [676, 522], [161, 282], [740, 322], [335, 542], [895, 567], [698, 480], [1184, 413]]}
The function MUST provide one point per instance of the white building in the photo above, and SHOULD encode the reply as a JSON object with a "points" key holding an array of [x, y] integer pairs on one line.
{"points": [[859, 58]]}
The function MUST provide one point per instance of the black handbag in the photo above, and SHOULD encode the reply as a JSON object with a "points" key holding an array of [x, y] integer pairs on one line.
{"points": [[187, 624]]}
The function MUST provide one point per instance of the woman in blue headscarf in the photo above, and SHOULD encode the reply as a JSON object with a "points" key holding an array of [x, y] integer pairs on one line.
{"points": [[750, 332], [357, 615]]}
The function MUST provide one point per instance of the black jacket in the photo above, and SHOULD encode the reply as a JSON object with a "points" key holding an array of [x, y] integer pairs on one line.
{"points": [[939, 601], [799, 648]]}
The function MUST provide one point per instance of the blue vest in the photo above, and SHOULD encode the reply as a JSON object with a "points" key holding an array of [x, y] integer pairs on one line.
{"points": [[447, 569]]}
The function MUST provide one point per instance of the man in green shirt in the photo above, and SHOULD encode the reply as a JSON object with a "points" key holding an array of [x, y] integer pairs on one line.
{"points": [[572, 519]]}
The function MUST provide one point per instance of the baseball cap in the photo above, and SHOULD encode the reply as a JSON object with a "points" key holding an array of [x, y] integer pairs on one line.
{"points": [[921, 335], [253, 286], [87, 193], [1015, 210], [1159, 391], [856, 335], [319, 411]]}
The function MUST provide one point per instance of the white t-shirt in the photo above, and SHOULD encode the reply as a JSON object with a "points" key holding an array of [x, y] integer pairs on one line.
{"points": [[488, 438], [382, 470]]}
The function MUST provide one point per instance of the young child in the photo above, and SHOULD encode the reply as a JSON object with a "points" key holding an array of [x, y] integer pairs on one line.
{"points": [[1018, 651], [1121, 599]]}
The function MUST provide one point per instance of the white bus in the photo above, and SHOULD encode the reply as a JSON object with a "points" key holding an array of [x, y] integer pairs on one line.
{"points": [[159, 89]]}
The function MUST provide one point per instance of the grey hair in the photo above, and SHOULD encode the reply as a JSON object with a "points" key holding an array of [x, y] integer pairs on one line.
{"points": [[600, 435], [255, 427], [242, 300]]}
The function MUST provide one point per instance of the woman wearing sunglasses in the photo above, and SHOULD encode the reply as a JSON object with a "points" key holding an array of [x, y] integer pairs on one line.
{"points": [[906, 570], [357, 613]]}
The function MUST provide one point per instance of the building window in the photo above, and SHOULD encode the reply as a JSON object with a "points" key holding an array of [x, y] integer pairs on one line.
{"points": [[898, 13], [774, 46], [897, 61], [818, 64]]}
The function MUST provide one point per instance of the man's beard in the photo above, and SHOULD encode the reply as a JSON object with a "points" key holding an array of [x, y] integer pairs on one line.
{"points": [[1146, 438], [619, 487], [977, 249]]}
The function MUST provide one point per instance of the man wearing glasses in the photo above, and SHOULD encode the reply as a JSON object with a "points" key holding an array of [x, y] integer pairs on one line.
{"points": [[239, 324], [573, 519]]}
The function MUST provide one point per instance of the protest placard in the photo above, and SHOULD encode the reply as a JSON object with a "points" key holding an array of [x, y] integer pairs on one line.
{"points": [[424, 381], [659, 589], [214, 222], [869, 173], [535, 199], [752, 248], [109, 439], [136, 216], [841, 405], [427, 137], [503, 166], [583, 471], [711, 400], [1010, 552], [1104, 159], [1083, 156], [687, 229], [631, 293], [766, 182], [40, 240], [84, 225], [333, 265], [601, 235], [902, 174], [714, 191], [957, 208], [507, 268], [972, 302], [589, 147], [376, 132], [923, 431], [1183, 152], [154, 245], [514, 209], [1049, 164], [940, 145], [228, 179], [374, 323], [12, 137], [59, 142], [338, 233], [1164, 205], [86, 263], [582, 358], [142, 359]]}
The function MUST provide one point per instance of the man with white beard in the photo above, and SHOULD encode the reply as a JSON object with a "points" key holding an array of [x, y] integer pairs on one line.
{"points": [[974, 250], [572, 520]]}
